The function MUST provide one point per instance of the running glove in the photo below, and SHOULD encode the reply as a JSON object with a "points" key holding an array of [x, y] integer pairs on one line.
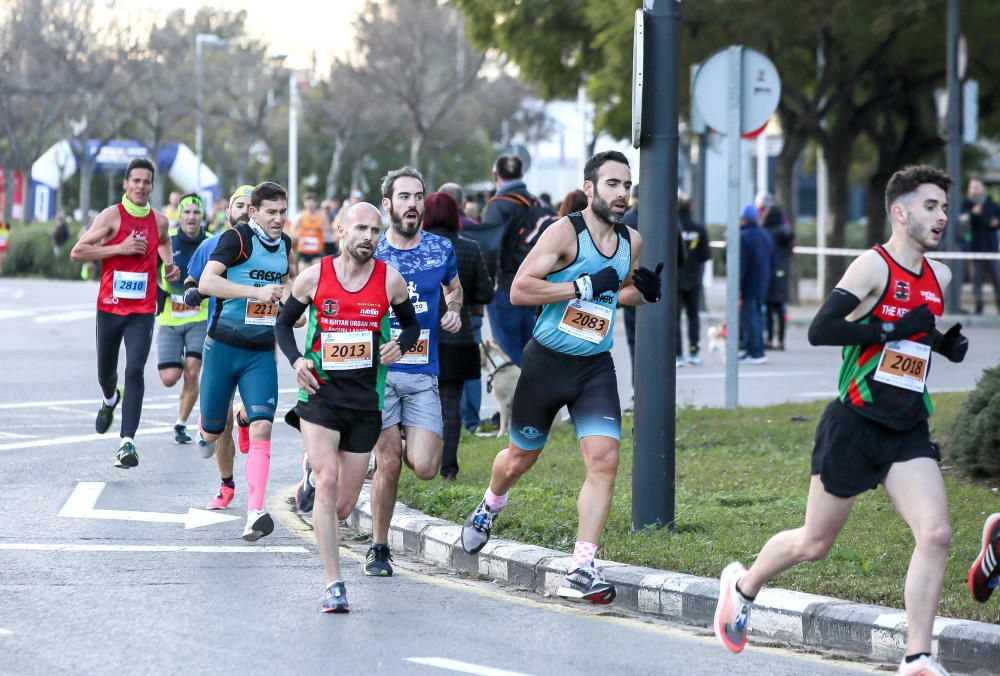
{"points": [[192, 298], [589, 287], [917, 320], [649, 283], [951, 344]]}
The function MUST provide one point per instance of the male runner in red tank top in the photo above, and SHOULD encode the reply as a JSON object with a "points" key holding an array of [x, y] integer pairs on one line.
{"points": [[342, 374], [122, 238], [883, 313]]}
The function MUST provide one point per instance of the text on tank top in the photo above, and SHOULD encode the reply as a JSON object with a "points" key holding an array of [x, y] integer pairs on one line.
{"points": [[128, 283]]}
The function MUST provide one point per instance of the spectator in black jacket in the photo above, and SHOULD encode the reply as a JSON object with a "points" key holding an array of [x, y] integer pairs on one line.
{"points": [[458, 353], [510, 210], [694, 239], [773, 221], [982, 216], [756, 262]]}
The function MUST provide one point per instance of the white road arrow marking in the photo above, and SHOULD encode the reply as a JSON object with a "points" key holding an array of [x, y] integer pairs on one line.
{"points": [[81, 506], [461, 667]]}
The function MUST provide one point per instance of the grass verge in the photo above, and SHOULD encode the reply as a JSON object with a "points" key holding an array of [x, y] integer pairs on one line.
{"points": [[741, 477]]}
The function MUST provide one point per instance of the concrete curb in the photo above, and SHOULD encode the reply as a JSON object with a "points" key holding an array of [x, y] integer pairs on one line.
{"points": [[802, 620]]}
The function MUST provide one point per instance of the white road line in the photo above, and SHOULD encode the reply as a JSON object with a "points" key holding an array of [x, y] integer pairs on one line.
{"points": [[748, 374], [462, 667], [15, 435], [184, 549], [94, 401], [28, 312], [38, 443], [63, 317], [6, 632]]}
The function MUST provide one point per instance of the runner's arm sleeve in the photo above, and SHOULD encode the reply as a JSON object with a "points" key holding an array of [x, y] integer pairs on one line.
{"points": [[407, 317], [284, 325], [830, 326]]}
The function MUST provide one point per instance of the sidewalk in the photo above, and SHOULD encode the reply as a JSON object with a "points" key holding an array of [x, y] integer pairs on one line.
{"points": [[801, 620]]}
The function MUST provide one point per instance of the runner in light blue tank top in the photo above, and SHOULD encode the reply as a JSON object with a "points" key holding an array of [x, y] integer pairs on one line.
{"points": [[581, 327]]}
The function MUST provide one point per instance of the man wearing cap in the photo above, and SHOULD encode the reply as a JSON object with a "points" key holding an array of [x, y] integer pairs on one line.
{"points": [[182, 327], [756, 261], [225, 451]]}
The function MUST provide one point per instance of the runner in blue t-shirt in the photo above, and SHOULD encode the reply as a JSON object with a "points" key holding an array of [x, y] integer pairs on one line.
{"points": [[427, 263], [225, 452]]}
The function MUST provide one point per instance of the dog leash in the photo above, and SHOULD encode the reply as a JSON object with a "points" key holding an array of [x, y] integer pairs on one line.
{"points": [[496, 369]]}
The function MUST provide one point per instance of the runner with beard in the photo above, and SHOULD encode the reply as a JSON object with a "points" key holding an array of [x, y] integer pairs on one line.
{"points": [[342, 375], [237, 212], [883, 312], [428, 264], [581, 269]]}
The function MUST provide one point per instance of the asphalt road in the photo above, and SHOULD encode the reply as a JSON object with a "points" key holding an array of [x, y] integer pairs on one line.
{"points": [[121, 586]]}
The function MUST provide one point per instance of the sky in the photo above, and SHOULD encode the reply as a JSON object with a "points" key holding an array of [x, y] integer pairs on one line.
{"points": [[292, 27]]}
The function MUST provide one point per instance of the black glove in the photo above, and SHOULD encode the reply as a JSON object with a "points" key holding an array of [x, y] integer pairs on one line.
{"points": [[952, 344], [649, 283], [917, 320], [589, 287], [192, 298]]}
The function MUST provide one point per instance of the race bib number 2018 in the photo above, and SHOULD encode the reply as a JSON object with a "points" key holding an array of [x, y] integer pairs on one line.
{"points": [[904, 364]]}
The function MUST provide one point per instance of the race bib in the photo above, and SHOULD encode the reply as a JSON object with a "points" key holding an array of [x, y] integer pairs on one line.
{"points": [[261, 313], [179, 309], [130, 284], [310, 244], [904, 364], [586, 321], [421, 352], [347, 350]]}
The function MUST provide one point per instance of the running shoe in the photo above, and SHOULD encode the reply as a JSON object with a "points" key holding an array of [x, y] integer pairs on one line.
{"points": [[586, 584], [923, 666], [106, 415], [377, 561], [745, 358], [680, 361], [181, 434], [305, 493], [732, 613], [335, 600], [207, 448], [476, 531], [127, 457], [242, 434], [984, 575], [259, 524], [694, 359], [223, 498]]}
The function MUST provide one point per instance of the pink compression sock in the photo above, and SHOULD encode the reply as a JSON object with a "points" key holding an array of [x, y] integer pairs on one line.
{"points": [[495, 502], [258, 467], [583, 554]]}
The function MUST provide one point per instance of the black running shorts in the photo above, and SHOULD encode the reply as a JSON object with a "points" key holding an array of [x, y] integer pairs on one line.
{"points": [[853, 454], [359, 429], [550, 380]]}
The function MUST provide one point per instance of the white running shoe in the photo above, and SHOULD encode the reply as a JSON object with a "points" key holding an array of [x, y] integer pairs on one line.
{"points": [[207, 448], [924, 666], [259, 524], [732, 613]]}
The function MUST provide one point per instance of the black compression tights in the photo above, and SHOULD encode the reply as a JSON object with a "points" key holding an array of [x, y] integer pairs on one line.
{"points": [[137, 332]]}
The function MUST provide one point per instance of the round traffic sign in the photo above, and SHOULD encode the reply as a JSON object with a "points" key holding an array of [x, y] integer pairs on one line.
{"points": [[759, 92]]}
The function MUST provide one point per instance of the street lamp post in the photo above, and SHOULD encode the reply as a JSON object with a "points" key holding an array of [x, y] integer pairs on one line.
{"points": [[199, 40]]}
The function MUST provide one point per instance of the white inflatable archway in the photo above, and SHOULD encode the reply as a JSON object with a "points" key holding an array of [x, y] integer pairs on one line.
{"points": [[57, 165]]}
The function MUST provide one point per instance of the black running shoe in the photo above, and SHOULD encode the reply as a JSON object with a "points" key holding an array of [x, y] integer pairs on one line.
{"points": [[106, 415], [476, 531], [127, 457], [377, 563], [335, 600], [181, 434], [305, 493], [586, 584]]}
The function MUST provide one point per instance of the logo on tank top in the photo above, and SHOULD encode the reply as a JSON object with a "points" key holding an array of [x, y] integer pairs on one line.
{"points": [[930, 296], [902, 291], [331, 307]]}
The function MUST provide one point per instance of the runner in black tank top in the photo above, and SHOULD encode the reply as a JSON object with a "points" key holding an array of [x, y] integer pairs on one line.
{"points": [[883, 313]]}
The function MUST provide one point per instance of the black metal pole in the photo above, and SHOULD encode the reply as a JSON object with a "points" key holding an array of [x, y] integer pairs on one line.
{"points": [[954, 159], [656, 337]]}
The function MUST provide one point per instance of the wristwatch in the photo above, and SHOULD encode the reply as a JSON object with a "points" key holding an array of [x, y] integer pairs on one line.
{"points": [[887, 328]]}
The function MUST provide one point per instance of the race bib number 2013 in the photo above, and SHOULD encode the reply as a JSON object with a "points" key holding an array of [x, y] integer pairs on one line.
{"points": [[347, 350], [904, 364]]}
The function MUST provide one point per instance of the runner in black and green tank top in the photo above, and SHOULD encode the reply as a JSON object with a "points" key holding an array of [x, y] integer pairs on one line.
{"points": [[883, 314], [341, 376]]}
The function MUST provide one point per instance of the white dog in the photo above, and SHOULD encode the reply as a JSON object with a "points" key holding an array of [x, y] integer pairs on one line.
{"points": [[716, 341], [501, 379]]}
